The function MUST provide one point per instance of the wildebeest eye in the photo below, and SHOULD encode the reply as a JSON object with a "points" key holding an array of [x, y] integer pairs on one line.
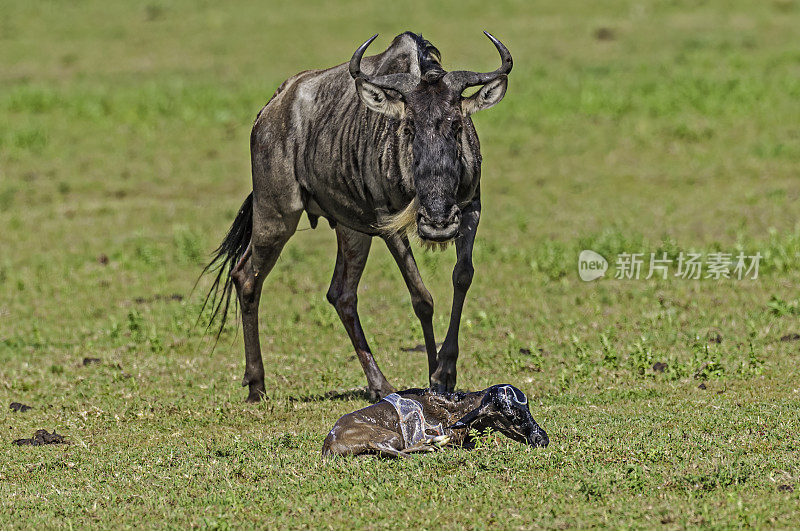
{"points": [[408, 131]]}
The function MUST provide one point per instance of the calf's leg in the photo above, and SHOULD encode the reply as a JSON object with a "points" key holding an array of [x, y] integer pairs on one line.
{"points": [[429, 445], [355, 438]]}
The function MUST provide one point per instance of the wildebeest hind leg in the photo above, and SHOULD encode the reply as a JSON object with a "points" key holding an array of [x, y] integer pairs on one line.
{"points": [[248, 277], [351, 257]]}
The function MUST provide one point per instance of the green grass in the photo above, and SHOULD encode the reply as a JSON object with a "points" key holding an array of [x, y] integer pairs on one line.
{"points": [[124, 136]]}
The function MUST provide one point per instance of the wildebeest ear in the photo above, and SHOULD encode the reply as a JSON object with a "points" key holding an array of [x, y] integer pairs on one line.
{"points": [[490, 94], [467, 419], [379, 100]]}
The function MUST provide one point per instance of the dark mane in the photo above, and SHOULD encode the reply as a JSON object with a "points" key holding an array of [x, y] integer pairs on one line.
{"points": [[429, 55]]}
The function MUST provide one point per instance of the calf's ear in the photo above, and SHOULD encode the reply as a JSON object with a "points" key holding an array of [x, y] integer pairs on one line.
{"points": [[467, 419], [379, 100], [489, 95]]}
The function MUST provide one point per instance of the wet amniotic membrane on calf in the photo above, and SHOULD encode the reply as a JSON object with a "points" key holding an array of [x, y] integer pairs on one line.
{"points": [[413, 424]]}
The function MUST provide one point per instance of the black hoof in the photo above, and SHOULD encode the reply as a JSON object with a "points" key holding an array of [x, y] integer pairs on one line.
{"points": [[256, 394], [444, 385]]}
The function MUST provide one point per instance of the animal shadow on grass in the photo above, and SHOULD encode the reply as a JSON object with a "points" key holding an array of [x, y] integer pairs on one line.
{"points": [[335, 394], [418, 348]]}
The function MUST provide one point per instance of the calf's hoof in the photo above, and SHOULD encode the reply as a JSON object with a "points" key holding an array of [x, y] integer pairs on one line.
{"points": [[440, 440]]}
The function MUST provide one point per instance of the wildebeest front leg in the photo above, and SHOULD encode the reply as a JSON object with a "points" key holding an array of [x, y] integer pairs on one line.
{"points": [[444, 378], [351, 257], [421, 299]]}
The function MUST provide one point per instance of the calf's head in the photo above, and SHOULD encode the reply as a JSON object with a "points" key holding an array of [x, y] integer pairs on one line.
{"points": [[430, 115], [504, 408]]}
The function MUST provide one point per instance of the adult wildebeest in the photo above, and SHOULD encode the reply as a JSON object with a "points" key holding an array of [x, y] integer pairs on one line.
{"points": [[420, 420], [376, 146]]}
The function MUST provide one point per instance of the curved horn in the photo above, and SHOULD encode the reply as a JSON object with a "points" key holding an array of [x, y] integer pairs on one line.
{"points": [[458, 80], [400, 82], [355, 61]]}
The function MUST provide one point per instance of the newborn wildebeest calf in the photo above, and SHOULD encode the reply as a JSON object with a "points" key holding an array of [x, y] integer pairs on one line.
{"points": [[420, 420]]}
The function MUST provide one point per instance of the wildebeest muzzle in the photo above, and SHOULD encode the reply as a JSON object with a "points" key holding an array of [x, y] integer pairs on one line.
{"points": [[438, 228]]}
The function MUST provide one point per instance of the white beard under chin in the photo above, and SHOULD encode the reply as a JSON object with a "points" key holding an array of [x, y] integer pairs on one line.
{"points": [[405, 222]]}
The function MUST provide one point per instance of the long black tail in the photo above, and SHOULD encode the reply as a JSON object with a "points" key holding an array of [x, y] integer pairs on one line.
{"points": [[227, 255]]}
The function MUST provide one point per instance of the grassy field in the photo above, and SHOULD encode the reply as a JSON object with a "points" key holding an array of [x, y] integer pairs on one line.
{"points": [[666, 126]]}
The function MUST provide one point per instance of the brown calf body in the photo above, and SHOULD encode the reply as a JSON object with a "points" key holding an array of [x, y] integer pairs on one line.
{"points": [[420, 420]]}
